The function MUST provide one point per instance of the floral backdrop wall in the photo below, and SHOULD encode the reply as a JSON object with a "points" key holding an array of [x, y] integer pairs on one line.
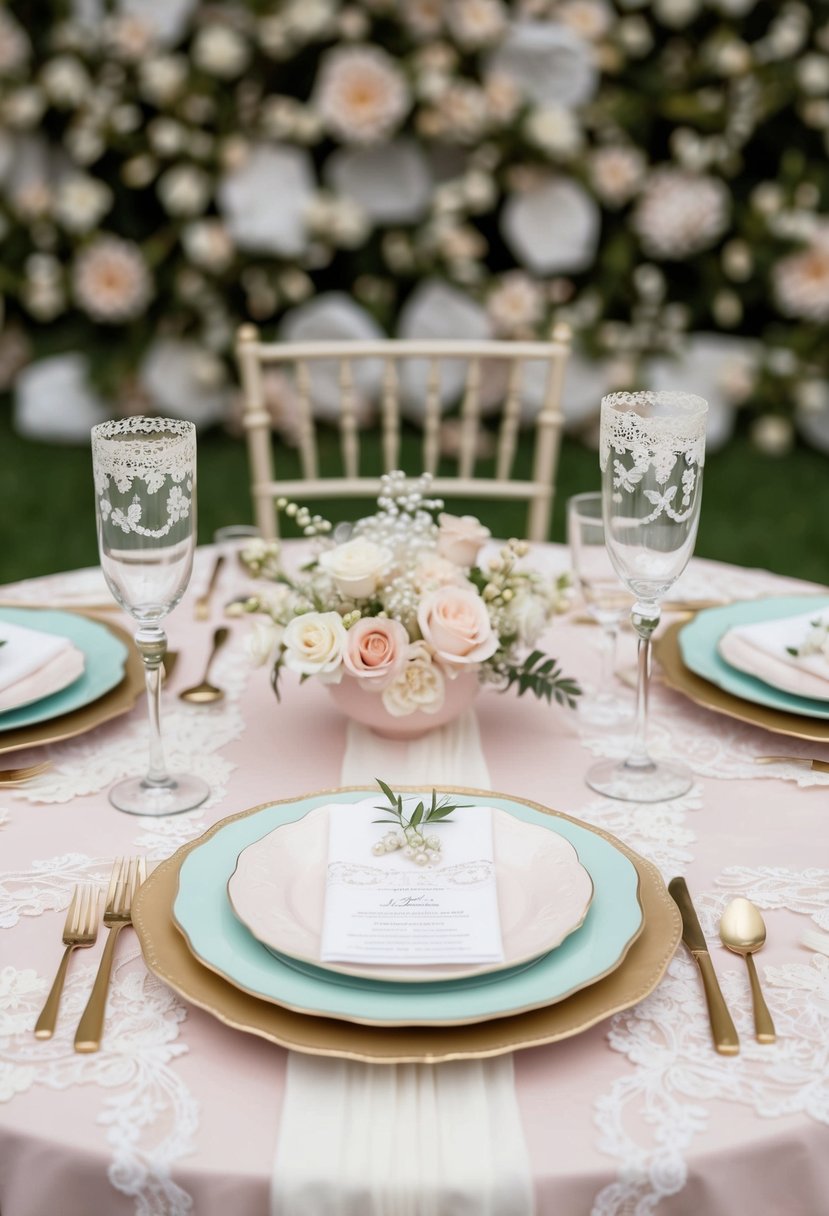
{"points": [[656, 172]]}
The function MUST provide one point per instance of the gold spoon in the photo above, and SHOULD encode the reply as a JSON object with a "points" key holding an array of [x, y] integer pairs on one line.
{"points": [[206, 693], [743, 931]]}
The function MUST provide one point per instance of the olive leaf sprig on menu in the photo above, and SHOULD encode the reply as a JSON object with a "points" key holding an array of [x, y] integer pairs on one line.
{"points": [[411, 830]]}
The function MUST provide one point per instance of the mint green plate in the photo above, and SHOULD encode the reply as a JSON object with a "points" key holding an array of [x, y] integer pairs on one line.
{"points": [[698, 644], [104, 659], [203, 913]]}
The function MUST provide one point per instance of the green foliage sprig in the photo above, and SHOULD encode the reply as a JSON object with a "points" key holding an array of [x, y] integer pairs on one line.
{"points": [[543, 677], [410, 836]]}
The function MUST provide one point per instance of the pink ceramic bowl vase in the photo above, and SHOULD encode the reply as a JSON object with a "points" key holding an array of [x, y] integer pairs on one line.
{"points": [[368, 707]]}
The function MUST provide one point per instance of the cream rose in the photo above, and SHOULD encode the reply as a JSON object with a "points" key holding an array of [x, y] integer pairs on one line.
{"points": [[433, 571], [262, 641], [356, 566], [454, 622], [460, 538], [419, 684], [314, 644], [375, 651]]}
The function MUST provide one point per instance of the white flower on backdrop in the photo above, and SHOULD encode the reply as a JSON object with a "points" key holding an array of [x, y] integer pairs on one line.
{"points": [[185, 380], [334, 317], [549, 62], [801, 281], [63, 379], [166, 19], [723, 370], [679, 213], [552, 227], [361, 94], [111, 281], [435, 310], [15, 47], [392, 182], [265, 200]]}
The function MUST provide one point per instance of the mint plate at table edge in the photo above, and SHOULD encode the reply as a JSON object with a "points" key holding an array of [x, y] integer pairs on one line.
{"points": [[104, 660], [203, 914], [698, 645]]}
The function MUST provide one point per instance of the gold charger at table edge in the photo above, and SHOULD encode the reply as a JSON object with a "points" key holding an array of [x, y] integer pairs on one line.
{"points": [[168, 957], [103, 709], [703, 692]]}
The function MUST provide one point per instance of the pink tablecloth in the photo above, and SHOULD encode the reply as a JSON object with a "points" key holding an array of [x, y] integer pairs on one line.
{"points": [[180, 1113]]}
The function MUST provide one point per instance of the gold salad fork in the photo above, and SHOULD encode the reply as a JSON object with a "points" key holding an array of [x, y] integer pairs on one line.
{"points": [[81, 929], [127, 876]]}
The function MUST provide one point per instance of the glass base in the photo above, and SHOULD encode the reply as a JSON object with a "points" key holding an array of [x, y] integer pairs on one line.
{"points": [[137, 796], [634, 783]]}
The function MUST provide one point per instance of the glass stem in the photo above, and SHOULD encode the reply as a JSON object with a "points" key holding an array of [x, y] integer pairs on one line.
{"points": [[645, 618], [152, 646]]}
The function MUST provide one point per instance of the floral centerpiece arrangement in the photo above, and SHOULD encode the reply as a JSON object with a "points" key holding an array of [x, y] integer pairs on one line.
{"points": [[401, 608]]}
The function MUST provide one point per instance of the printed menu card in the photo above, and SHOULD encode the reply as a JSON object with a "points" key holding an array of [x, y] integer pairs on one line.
{"points": [[389, 909]]}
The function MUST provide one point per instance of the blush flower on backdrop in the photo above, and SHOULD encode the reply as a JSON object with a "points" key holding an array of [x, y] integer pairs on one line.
{"points": [[402, 606], [655, 174]]}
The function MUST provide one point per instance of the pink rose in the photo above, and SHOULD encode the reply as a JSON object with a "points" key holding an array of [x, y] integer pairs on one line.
{"points": [[460, 538], [375, 650], [455, 623]]}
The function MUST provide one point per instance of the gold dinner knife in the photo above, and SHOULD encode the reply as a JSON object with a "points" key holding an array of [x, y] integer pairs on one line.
{"points": [[817, 766], [723, 1030]]}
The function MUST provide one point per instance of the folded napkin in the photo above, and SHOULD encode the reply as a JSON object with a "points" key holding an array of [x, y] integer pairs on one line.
{"points": [[24, 653], [385, 908], [762, 650], [57, 674]]}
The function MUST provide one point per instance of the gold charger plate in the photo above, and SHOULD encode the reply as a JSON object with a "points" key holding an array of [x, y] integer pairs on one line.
{"points": [[117, 701], [167, 955], [677, 676]]}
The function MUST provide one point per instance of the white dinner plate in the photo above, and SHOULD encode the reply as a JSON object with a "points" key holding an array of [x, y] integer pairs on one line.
{"points": [[278, 892]]}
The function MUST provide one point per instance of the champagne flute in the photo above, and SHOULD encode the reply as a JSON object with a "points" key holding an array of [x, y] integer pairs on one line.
{"points": [[605, 599], [145, 509], [651, 452]]}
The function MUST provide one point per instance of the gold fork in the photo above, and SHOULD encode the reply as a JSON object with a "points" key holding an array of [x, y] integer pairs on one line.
{"points": [[81, 929], [13, 776], [127, 876]]}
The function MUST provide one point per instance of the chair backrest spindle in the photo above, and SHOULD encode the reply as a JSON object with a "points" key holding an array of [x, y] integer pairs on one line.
{"points": [[431, 422], [470, 415]]}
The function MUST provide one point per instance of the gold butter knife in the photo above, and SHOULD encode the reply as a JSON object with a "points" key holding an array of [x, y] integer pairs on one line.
{"points": [[817, 766], [723, 1030]]}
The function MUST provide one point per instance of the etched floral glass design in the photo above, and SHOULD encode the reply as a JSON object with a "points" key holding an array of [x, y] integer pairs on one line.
{"points": [[145, 507], [652, 454]]}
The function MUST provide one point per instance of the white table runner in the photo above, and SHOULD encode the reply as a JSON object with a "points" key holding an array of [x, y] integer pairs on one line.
{"points": [[404, 1140]]}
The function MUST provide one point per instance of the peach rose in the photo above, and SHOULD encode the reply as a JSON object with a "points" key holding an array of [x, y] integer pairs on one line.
{"points": [[454, 622], [460, 538], [375, 651]]}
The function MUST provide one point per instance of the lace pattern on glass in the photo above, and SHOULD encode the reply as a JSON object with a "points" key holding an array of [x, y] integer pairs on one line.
{"points": [[121, 456], [640, 445]]}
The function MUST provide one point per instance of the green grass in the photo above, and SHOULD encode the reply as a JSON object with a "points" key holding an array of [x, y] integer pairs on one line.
{"points": [[757, 510]]}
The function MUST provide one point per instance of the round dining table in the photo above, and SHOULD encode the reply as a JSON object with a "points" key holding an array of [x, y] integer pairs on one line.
{"points": [[179, 1112]]}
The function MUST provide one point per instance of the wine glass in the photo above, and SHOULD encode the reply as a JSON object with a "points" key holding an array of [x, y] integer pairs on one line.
{"points": [[145, 510], [651, 453], [605, 599]]}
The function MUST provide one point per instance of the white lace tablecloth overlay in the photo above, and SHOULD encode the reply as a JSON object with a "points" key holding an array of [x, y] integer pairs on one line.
{"points": [[151, 1118], [676, 1077]]}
